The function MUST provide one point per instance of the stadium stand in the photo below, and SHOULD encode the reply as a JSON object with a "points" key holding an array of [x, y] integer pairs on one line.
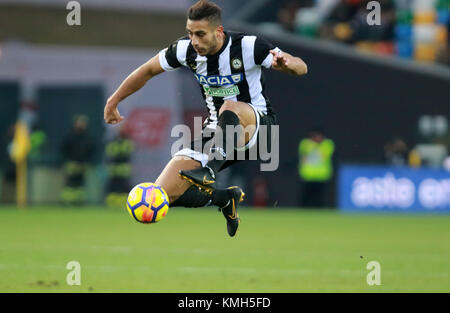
{"points": [[410, 29]]}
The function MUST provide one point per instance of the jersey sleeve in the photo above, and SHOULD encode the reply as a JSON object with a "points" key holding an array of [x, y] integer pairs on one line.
{"points": [[262, 53], [168, 58]]}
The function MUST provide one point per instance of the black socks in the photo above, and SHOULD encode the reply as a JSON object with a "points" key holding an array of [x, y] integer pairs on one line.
{"points": [[218, 154], [192, 198]]}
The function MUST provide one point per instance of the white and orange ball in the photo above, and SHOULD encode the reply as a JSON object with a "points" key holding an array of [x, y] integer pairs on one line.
{"points": [[147, 203]]}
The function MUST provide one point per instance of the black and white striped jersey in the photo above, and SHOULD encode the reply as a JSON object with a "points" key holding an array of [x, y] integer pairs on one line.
{"points": [[233, 73]]}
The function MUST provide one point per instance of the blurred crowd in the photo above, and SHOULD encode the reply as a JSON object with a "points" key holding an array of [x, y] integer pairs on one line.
{"points": [[431, 150], [411, 29], [316, 160], [76, 159]]}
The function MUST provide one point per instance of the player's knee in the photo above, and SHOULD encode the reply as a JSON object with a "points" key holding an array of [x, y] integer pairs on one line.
{"points": [[229, 105]]}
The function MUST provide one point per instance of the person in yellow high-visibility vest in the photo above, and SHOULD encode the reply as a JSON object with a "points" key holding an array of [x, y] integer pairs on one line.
{"points": [[77, 150], [118, 153], [315, 167]]}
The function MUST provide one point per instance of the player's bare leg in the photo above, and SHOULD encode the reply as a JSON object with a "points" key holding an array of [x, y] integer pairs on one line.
{"points": [[170, 180], [232, 113]]}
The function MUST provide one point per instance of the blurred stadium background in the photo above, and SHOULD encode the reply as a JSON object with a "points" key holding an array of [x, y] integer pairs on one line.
{"points": [[380, 94]]}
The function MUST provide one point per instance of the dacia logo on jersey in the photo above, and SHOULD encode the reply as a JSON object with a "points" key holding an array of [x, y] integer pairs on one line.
{"points": [[217, 80]]}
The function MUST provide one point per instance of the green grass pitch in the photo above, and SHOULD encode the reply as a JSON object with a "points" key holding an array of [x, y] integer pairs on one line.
{"points": [[276, 250]]}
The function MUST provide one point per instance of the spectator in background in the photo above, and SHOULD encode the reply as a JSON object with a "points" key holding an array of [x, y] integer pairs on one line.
{"points": [[8, 186], [287, 15], [77, 149], [362, 31], [335, 24], [118, 152], [396, 152], [315, 167], [38, 140], [347, 22]]}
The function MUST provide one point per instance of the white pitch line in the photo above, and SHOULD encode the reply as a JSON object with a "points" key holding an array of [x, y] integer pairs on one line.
{"points": [[241, 270]]}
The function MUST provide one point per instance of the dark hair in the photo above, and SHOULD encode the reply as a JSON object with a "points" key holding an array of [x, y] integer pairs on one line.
{"points": [[205, 9]]}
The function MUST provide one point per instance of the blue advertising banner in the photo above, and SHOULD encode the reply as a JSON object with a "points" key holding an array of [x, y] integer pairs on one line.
{"points": [[385, 189]]}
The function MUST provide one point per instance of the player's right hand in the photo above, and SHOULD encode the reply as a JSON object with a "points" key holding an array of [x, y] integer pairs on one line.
{"points": [[111, 114]]}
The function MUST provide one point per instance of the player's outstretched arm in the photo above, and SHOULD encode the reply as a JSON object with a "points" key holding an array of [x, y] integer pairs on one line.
{"points": [[284, 62], [130, 85]]}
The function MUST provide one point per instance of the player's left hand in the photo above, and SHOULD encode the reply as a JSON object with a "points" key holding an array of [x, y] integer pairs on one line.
{"points": [[279, 61]]}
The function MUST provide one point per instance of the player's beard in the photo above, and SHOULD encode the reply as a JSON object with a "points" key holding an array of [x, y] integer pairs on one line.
{"points": [[210, 50], [212, 47]]}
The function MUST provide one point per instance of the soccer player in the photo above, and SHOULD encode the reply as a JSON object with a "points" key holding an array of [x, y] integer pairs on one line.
{"points": [[228, 67]]}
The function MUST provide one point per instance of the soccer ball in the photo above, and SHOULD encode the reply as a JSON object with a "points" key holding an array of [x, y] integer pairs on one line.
{"points": [[147, 203]]}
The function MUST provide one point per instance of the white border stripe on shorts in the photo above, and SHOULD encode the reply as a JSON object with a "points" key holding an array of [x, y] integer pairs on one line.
{"points": [[197, 156], [254, 138]]}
